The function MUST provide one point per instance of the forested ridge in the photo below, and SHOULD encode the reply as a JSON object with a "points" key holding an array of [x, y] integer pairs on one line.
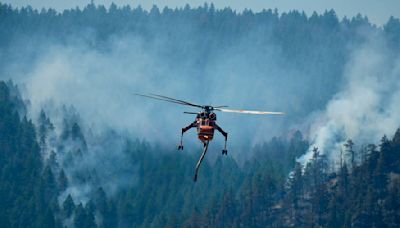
{"points": [[364, 191], [64, 174]]}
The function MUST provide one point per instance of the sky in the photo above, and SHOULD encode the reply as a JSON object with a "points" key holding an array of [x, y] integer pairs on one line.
{"points": [[378, 11]]}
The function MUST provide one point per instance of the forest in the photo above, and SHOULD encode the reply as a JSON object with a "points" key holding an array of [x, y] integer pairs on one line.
{"points": [[59, 168]]}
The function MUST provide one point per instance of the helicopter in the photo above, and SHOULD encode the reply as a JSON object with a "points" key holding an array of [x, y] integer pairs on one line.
{"points": [[205, 122]]}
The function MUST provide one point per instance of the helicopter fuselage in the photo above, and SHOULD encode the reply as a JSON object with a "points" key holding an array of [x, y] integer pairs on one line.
{"points": [[205, 122]]}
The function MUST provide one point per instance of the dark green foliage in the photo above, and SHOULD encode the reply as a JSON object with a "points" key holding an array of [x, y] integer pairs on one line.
{"points": [[256, 193], [361, 197], [62, 181], [84, 216], [68, 206], [28, 189], [44, 127]]}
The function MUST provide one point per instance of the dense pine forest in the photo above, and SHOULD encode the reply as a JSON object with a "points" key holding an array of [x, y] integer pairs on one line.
{"points": [[59, 170]]}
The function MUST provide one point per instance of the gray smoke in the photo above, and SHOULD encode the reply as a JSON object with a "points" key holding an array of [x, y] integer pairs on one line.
{"points": [[367, 106], [100, 85]]}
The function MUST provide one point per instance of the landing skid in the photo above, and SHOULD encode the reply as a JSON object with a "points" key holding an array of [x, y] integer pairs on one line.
{"points": [[205, 148]]}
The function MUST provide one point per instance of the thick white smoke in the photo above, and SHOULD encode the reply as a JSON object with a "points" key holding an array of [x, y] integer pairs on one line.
{"points": [[101, 86], [367, 107]]}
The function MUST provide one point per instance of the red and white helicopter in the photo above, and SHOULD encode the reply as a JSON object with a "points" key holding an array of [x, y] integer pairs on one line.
{"points": [[205, 122]]}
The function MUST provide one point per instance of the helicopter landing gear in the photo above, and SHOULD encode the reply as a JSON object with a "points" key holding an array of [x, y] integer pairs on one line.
{"points": [[194, 124], [180, 147], [205, 148], [224, 151]]}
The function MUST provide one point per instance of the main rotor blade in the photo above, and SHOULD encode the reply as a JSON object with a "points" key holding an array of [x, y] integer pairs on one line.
{"points": [[176, 100], [249, 111], [221, 106], [162, 99], [191, 113]]}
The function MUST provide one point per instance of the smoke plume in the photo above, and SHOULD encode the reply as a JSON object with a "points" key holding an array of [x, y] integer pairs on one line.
{"points": [[367, 106]]}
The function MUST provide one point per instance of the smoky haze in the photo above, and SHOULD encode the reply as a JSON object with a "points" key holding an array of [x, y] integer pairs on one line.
{"points": [[96, 59], [249, 71], [366, 107]]}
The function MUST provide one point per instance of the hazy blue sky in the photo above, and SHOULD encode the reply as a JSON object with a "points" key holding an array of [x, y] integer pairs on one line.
{"points": [[378, 11]]}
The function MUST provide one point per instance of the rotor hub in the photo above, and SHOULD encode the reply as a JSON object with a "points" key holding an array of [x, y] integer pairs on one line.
{"points": [[208, 108]]}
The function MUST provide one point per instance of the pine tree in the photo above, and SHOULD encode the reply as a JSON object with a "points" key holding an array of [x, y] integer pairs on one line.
{"points": [[350, 153], [396, 151], [386, 156], [68, 206], [84, 216], [294, 197], [62, 181]]}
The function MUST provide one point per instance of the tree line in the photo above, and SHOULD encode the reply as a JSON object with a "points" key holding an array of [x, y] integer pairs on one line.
{"points": [[363, 192]]}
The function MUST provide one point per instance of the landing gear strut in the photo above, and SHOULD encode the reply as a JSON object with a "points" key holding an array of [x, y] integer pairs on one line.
{"points": [[180, 147], [194, 124], [225, 151]]}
